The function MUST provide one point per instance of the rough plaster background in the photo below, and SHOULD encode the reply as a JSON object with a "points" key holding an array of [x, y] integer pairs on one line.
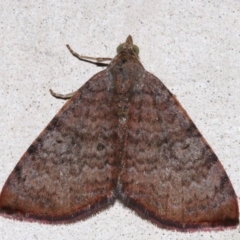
{"points": [[192, 46]]}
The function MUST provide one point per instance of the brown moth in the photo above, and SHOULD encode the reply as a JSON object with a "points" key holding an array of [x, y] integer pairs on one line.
{"points": [[123, 135]]}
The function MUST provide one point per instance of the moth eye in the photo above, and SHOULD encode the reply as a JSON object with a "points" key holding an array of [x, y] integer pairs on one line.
{"points": [[119, 48], [135, 49]]}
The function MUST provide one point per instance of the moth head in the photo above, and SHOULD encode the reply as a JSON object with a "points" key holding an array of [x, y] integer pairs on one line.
{"points": [[128, 45]]}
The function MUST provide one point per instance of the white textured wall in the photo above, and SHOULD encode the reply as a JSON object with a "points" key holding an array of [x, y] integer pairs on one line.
{"points": [[192, 46]]}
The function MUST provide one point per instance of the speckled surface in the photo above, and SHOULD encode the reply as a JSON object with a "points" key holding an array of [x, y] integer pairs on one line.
{"points": [[193, 47]]}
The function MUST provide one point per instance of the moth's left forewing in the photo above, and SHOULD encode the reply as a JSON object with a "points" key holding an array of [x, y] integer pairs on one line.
{"points": [[70, 170]]}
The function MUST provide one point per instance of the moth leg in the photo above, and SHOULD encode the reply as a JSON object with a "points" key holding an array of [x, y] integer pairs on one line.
{"points": [[80, 57], [84, 58], [61, 96]]}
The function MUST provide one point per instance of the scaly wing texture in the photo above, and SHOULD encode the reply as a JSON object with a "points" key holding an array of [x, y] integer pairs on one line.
{"points": [[170, 174], [70, 170]]}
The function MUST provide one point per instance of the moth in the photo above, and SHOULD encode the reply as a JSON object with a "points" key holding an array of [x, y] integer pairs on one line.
{"points": [[123, 135]]}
